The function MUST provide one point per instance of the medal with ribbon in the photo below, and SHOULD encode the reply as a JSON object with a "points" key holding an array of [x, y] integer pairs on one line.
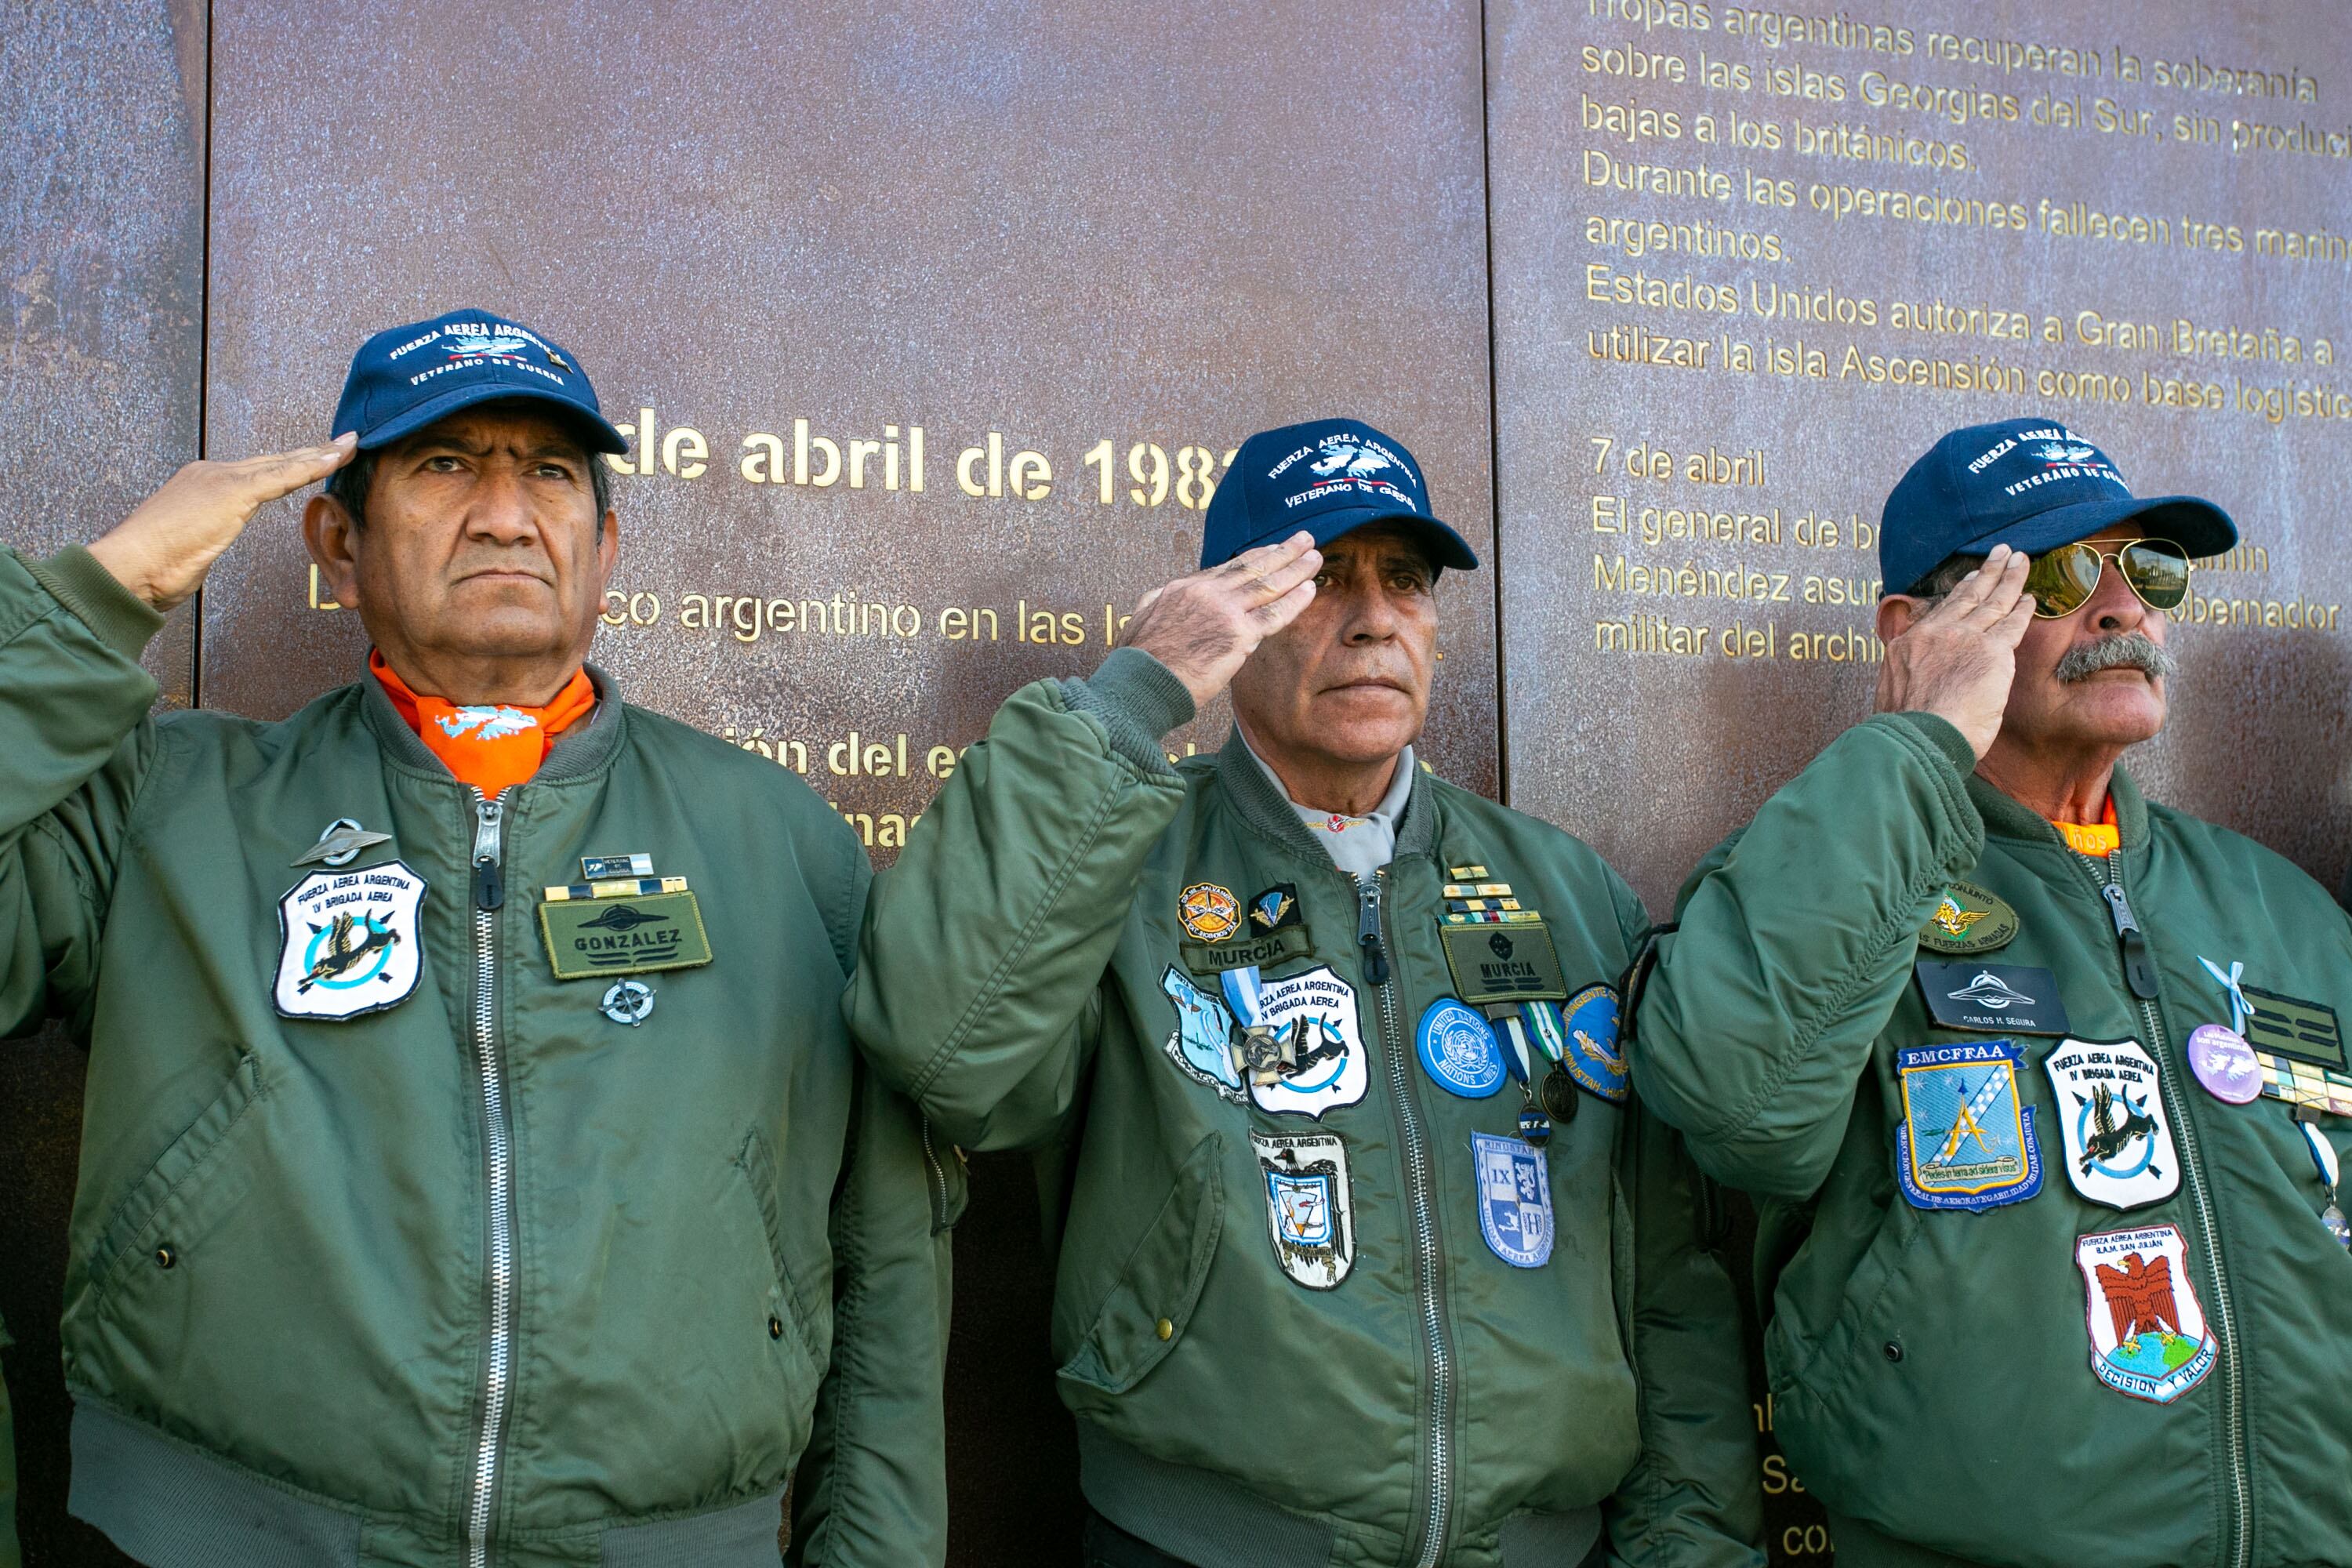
{"points": [[1264, 1053]]}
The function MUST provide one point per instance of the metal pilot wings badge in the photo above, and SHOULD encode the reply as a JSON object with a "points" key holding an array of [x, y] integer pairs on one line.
{"points": [[1965, 1142], [347, 942], [1310, 1212], [2111, 1115], [2148, 1334]]}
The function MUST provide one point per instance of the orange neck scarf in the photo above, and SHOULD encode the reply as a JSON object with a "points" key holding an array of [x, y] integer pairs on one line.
{"points": [[2098, 840], [487, 747]]}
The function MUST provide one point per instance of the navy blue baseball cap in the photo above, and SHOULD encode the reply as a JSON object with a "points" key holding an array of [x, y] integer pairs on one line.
{"points": [[405, 379], [2031, 484], [1328, 476]]}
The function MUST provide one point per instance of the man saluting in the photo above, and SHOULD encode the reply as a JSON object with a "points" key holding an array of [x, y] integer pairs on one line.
{"points": [[1345, 1275], [2043, 1085], [464, 1119]]}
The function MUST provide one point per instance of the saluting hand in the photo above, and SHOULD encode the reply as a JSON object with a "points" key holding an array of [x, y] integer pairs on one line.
{"points": [[1958, 660], [1203, 626], [162, 550]]}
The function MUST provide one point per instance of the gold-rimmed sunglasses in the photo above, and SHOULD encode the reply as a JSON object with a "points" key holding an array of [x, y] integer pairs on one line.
{"points": [[2062, 579]]}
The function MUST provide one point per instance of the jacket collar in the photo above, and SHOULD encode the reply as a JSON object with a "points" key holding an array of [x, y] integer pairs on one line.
{"points": [[1263, 807], [2006, 819], [580, 750]]}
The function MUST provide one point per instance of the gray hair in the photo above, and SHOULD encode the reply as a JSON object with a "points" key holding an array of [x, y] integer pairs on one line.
{"points": [[1943, 578]]}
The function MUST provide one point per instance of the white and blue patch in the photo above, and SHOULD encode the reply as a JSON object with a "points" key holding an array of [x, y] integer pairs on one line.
{"points": [[1458, 1051], [1965, 1143], [1308, 1213], [1201, 1047], [1515, 1212], [348, 941], [1589, 1053]]}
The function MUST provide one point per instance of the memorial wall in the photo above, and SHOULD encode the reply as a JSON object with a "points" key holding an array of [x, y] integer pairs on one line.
{"points": [[934, 331]]}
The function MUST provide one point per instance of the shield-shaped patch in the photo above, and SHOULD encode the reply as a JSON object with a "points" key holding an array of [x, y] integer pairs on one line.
{"points": [[347, 942], [2148, 1334], [1965, 1143], [2111, 1115], [1313, 1015], [1514, 1199], [1308, 1211]]}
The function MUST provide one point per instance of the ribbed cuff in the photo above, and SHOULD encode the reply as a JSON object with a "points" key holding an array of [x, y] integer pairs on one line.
{"points": [[1137, 699], [1942, 735], [122, 620], [1143, 690]]}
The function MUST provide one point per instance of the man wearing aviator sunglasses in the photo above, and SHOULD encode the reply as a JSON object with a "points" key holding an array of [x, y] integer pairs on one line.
{"points": [[2041, 1086]]}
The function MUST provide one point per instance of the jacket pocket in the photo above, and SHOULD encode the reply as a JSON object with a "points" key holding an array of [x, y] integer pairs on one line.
{"points": [[788, 1315], [174, 1207], [1147, 1310]]}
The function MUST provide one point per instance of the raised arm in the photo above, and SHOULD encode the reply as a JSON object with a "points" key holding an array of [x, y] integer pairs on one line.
{"points": [[984, 945], [1794, 942], [74, 740]]}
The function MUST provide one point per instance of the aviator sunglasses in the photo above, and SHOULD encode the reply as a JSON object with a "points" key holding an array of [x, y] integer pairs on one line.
{"points": [[2061, 581]]}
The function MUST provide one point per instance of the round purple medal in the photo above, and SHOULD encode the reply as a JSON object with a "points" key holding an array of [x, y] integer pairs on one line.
{"points": [[2224, 1063]]}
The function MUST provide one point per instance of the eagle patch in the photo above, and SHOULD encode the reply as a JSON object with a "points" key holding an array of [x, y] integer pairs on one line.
{"points": [[347, 942], [2148, 1334]]}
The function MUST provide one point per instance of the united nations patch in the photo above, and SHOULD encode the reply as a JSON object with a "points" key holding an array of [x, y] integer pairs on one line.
{"points": [[1310, 1212], [1209, 913], [1965, 1143], [1968, 920], [1458, 1050], [1515, 1212]]}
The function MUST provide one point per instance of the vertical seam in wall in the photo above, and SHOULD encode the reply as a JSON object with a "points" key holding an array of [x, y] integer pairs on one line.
{"points": [[1494, 418], [204, 352]]}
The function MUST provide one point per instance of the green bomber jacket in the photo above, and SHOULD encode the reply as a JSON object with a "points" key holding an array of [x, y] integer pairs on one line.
{"points": [[1294, 1321], [2049, 1270], [389, 1247]]}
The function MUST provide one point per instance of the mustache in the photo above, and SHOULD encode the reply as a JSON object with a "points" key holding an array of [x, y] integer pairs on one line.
{"points": [[2124, 650]]}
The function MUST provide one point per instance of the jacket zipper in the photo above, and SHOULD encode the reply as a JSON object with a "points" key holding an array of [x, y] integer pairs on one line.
{"points": [[1371, 936], [2139, 971], [497, 1158], [937, 1176]]}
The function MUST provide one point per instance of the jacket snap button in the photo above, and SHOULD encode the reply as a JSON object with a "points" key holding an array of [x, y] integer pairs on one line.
{"points": [[1893, 1351], [775, 1328], [165, 1258], [1164, 1329]]}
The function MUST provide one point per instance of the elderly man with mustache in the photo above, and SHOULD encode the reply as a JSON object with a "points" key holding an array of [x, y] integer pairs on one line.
{"points": [[1364, 1257], [2043, 1085]]}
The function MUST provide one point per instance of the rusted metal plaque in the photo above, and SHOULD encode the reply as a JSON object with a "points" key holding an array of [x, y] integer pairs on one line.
{"points": [[1744, 274], [102, 257], [933, 332]]}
